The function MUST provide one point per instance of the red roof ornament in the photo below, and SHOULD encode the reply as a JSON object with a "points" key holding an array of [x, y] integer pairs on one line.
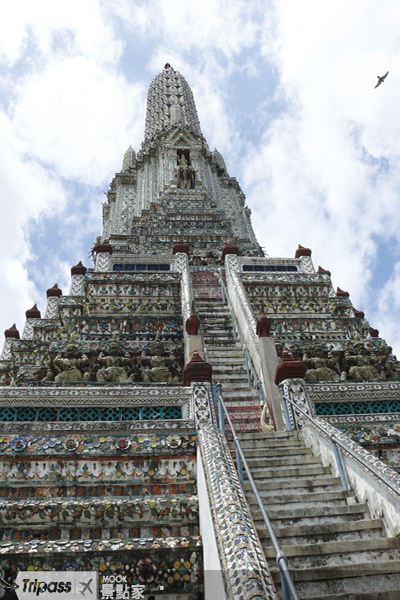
{"points": [[373, 332], [54, 291], [78, 269], [12, 332], [289, 368], [193, 323], [180, 247], [322, 271], [196, 370], [33, 313], [103, 247], [359, 314], [302, 251], [263, 324], [341, 293], [229, 249]]}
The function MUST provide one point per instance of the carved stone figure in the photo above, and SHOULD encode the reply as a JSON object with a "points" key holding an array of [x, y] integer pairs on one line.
{"points": [[158, 365], [69, 366], [322, 366], [114, 364], [358, 363], [184, 174]]}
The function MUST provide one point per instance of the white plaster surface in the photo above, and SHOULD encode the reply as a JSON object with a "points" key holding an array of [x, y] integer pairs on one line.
{"points": [[213, 581]]}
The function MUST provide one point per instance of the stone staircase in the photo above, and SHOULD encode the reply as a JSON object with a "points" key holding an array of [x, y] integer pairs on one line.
{"points": [[225, 354], [335, 550]]}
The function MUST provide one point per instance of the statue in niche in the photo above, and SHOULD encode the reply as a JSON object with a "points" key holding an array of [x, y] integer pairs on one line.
{"points": [[321, 365], [158, 365], [390, 366], [114, 363], [68, 367], [28, 374], [358, 364], [185, 174]]}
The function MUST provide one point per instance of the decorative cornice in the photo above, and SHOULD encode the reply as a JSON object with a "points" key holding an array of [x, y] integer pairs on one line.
{"points": [[346, 391]]}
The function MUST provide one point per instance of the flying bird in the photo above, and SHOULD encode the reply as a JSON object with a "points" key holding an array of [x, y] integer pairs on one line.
{"points": [[381, 79]]}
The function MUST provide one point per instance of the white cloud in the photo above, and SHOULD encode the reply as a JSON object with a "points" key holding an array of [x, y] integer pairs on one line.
{"points": [[209, 25], [68, 114], [326, 173], [74, 115], [28, 191], [72, 27]]}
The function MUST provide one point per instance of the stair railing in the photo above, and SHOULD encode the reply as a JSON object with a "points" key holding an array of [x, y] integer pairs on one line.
{"points": [[338, 445], [247, 363], [251, 353], [288, 589]]}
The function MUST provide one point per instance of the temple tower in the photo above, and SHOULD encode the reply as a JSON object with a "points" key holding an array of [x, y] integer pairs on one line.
{"points": [[112, 457]]}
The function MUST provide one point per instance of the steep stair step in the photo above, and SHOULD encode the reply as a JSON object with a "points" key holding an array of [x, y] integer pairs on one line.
{"points": [[277, 452], [225, 370], [216, 331], [366, 577], [265, 462], [217, 353], [239, 395], [308, 516], [324, 532], [279, 473], [331, 554], [235, 377], [299, 500], [388, 595], [319, 483], [275, 437], [251, 444]]}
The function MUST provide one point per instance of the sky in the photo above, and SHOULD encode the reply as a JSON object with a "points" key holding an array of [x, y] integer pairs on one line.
{"points": [[284, 90]]}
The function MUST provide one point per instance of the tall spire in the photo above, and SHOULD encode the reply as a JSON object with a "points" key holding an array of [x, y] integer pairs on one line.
{"points": [[129, 159], [170, 102]]}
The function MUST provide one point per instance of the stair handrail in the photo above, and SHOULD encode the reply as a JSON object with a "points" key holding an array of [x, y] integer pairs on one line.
{"points": [[346, 448], [288, 588]]}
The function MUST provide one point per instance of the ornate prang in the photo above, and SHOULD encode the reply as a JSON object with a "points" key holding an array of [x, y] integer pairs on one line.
{"points": [[129, 161], [99, 438]]}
